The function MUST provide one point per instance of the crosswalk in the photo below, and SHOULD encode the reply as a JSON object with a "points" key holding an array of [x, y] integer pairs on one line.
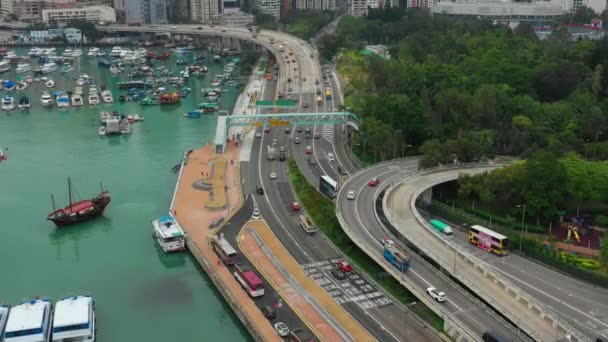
{"points": [[328, 133]]}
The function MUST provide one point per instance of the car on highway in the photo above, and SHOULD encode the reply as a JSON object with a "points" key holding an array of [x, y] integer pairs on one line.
{"points": [[351, 195], [308, 150], [199, 28], [373, 182], [305, 105], [282, 148], [275, 78], [256, 214], [296, 140], [299, 129], [436, 294], [344, 266], [290, 53], [258, 134], [275, 142], [317, 135], [259, 190], [282, 156], [295, 206], [303, 79], [339, 275], [281, 329], [287, 130], [290, 89], [331, 157], [312, 161], [288, 61], [273, 175], [223, 30], [266, 129], [289, 79], [317, 82], [268, 312], [318, 91]]}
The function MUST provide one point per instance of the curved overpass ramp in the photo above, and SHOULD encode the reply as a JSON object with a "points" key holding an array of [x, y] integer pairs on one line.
{"points": [[404, 184]]}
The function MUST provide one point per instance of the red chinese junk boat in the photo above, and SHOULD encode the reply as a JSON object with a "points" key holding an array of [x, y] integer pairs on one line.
{"points": [[170, 98], [79, 211]]}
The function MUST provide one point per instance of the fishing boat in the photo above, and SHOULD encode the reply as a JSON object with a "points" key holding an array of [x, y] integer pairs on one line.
{"points": [[77, 100], [8, 103], [23, 67], [46, 100], [21, 86], [79, 211], [74, 319], [49, 84], [168, 234], [9, 85], [49, 67], [67, 68], [106, 96], [63, 101], [170, 98], [24, 103], [29, 321]]}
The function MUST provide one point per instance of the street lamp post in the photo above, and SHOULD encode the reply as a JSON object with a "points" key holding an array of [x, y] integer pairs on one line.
{"points": [[521, 232]]}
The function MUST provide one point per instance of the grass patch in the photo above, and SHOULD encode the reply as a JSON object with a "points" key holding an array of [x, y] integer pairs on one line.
{"points": [[323, 212]]}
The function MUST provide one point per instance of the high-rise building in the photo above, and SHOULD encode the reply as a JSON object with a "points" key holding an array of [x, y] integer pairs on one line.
{"points": [[319, 5], [178, 11], [203, 11], [121, 10], [87, 3], [269, 7], [7, 6], [146, 11], [358, 8], [95, 14]]}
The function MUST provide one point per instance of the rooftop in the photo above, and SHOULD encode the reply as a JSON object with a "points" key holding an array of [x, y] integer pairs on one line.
{"points": [[72, 311], [168, 227], [27, 316]]}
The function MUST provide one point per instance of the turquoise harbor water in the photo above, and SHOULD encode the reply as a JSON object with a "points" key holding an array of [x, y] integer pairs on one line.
{"points": [[141, 294]]}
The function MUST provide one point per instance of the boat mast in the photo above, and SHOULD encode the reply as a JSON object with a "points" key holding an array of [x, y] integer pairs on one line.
{"points": [[53, 202], [101, 185], [70, 190]]}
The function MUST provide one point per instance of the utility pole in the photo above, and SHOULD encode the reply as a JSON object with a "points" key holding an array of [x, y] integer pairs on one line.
{"points": [[521, 232]]}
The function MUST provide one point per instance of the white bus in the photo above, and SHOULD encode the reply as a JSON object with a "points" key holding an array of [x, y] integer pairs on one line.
{"points": [[224, 249], [328, 186]]}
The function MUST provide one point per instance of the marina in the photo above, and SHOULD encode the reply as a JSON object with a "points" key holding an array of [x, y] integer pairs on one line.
{"points": [[136, 167]]}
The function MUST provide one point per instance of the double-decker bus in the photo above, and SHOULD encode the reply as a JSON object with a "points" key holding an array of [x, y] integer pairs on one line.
{"points": [[250, 281], [489, 240], [328, 186], [224, 249], [442, 228]]}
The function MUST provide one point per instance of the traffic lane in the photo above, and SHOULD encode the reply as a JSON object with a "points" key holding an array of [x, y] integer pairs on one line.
{"points": [[459, 302], [559, 291], [230, 231], [343, 151]]}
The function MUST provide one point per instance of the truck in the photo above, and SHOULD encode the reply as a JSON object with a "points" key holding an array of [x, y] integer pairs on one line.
{"points": [[281, 48], [328, 94], [395, 255], [271, 152], [442, 228], [306, 225]]}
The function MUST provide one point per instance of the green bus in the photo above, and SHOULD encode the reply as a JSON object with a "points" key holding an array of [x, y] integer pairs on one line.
{"points": [[442, 228]]}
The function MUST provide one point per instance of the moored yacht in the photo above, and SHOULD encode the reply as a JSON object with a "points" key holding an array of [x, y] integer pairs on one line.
{"points": [[93, 97], [116, 51], [4, 66], [24, 103], [77, 100], [74, 319], [106, 96], [4, 309], [49, 67], [29, 321], [63, 101], [46, 100], [168, 234], [67, 52], [93, 52], [8, 103], [23, 67]]}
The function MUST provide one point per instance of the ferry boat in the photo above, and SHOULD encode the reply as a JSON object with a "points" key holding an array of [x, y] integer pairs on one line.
{"points": [[77, 100], [80, 211], [4, 66], [63, 101], [49, 67], [46, 100], [24, 103], [4, 309], [106, 96], [8, 103], [23, 67], [74, 319], [29, 321], [168, 234]]}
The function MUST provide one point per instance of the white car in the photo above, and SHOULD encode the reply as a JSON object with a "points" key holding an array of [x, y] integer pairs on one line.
{"points": [[256, 213], [351, 195], [331, 157], [258, 134], [281, 329], [273, 175], [436, 294]]}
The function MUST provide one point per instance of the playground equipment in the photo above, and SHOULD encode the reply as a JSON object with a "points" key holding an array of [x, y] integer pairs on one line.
{"points": [[573, 230]]}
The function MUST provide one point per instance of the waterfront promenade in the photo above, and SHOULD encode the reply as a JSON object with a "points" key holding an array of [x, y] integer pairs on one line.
{"points": [[190, 208]]}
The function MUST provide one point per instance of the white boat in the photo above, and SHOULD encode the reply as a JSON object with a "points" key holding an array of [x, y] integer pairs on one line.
{"points": [[29, 321], [93, 98], [46, 100], [76, 53], [115, 52], [80, 81], [8, 103], [102, 130], [63, 101], [67, 52], [49, 84], [125, 126], [4, 66], [23, 67], [77, 100], [35, 51], [49, 67], [74, 319], [168, 234], [67, 68], [29, 79], [4, 309], [79, 91], [21, 85], [106, 96], [101, 53]]}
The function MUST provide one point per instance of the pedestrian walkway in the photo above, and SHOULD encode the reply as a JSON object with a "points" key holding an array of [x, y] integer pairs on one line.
{"points": [[311, 302], [217, 183], [189, 207]]}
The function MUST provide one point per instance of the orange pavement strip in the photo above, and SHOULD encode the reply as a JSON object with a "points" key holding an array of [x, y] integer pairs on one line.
{"points": [[307, 312], [191, 212]]}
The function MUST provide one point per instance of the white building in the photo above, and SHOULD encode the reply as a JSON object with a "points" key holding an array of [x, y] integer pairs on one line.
{"points": [[320, 5], [270, 7], [7, 6], [236, 18], [503, 10], [93, 14], [206, 10], [72, 35]]}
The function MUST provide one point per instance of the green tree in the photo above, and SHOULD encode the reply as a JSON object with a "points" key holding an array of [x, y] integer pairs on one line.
{"points": [[87, 28], [604, 251]]}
